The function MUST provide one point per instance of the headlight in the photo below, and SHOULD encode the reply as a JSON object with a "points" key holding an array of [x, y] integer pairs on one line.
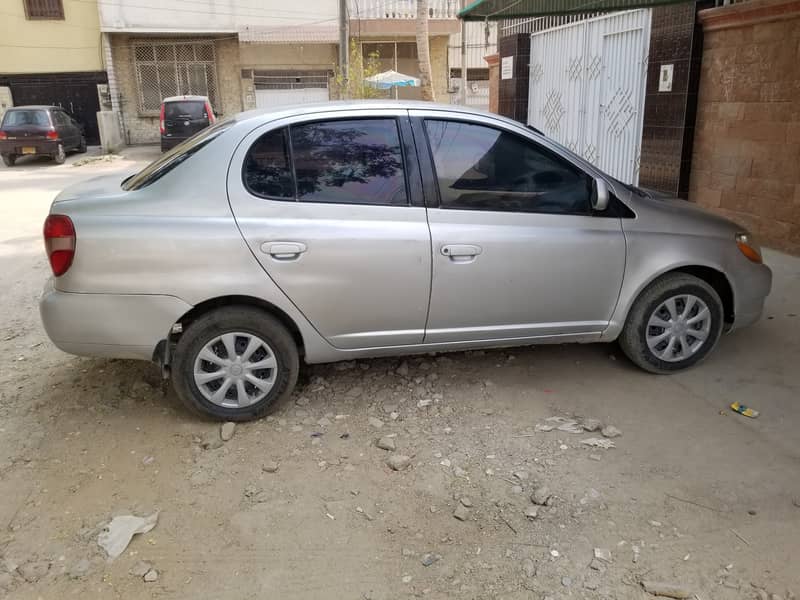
{"points": [[748, 246]]}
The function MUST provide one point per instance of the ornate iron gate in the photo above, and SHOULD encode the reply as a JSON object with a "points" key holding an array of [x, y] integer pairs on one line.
{"points": [[587, 88]]}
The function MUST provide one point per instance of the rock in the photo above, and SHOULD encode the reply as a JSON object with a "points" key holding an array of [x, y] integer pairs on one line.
{"points": [[516, 489], [541, 494], [532, 512], [670, 589], [211, 442], [566, 581], [407, 578], [402, 370], [34, 571], [424, 403], [603, 554], [595, 457], [297, 428], [324, 422], [270, 467], [226, 431], [529, 568], [459, 472], [148, 460], [610, 431], [151, 576], [461, 512], [408, 552], [386, 443], [398, 462], [302, 401], [141, 389], [521, 475], [375, 422], [597, 565], [140, 568], [466, 502], [355, 392], [428, 559], [80, 569], [591, 583]]}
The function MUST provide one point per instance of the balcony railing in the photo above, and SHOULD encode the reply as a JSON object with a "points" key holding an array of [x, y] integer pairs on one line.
{"points": [[401, 9]]}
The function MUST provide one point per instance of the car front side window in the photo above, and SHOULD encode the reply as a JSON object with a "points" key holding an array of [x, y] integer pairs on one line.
{"points": [[484, 168]]}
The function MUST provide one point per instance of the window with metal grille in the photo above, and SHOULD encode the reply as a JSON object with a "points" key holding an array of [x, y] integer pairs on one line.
{"points": [[174, 68], [44, 9]]}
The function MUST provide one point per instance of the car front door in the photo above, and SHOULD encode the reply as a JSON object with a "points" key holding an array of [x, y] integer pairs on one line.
{"points": [[340, 226], [517, 250]]}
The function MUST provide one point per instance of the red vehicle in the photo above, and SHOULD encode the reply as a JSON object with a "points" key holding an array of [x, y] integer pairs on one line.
{"points": [[39, 131]]}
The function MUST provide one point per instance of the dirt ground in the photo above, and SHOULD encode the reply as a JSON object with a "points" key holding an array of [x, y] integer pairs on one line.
{"points": [[692, 493]]}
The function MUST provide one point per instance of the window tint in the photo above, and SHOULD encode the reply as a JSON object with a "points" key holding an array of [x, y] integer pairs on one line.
{"points": [[266, 168], [17, 118], [482, 168], [60, 118], [191, 109], [349, 162]]}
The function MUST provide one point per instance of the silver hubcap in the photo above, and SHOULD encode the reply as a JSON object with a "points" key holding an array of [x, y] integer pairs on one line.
{"points": [[678, 328], [235, 370]]}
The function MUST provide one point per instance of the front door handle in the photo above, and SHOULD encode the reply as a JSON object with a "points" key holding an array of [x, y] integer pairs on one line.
{"points": [[284, 250], [461, 252]]}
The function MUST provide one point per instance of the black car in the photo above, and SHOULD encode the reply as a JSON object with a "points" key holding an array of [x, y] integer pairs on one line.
{"points": [[182, 117], [39, 131]]}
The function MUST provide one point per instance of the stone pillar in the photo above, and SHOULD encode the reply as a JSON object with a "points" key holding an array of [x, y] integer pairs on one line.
{"points": [[493, 60]]}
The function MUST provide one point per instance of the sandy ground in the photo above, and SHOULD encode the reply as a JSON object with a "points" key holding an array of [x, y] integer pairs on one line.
{"points": [[692, 493]]}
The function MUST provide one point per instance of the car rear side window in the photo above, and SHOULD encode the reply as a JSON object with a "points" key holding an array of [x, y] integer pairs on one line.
{"points": [[357, 161], [483, 168], [267, 171], [19, 118]]}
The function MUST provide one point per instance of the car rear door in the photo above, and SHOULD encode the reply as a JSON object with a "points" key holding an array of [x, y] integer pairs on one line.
{"points": [[64, 128], [517, 252], [340, 227], [184, 118]]}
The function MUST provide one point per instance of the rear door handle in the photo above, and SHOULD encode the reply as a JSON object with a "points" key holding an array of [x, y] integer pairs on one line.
{"points": [[283, 250], [461, 252]]}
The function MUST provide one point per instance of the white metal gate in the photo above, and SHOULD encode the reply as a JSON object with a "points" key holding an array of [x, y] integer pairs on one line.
{"points": [[278, 88], [587, 88]]}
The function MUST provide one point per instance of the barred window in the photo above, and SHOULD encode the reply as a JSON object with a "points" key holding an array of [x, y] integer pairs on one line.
{"points": [[178, 68], [44, 9]]}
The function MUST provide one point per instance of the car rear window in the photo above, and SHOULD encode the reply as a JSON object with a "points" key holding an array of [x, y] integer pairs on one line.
{"points": [[179, 154], [185, 110], [18, 118]]}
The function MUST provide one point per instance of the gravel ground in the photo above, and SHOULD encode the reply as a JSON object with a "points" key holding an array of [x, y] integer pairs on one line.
{"points": [[304, 503]]}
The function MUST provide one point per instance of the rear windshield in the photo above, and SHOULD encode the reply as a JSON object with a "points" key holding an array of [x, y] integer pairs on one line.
{"points": [[180, 153], [185, 110], [17, 118]]}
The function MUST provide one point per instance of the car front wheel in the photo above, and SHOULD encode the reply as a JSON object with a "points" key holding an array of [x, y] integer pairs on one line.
{"points": [[234, 363], [82, 145], [674, 324]]}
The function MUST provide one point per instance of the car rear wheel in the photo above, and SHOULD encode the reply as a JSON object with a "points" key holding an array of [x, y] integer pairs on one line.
{"points": [[674, 324], [9, 159], [234, 363], [60, 156], [82, 145]]}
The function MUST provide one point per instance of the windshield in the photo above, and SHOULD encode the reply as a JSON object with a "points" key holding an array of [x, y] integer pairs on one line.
{"points": [[186, 110], [17, 118], [168, 161]]}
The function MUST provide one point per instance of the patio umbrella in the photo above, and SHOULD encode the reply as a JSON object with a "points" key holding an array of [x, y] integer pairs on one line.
{"points": [[391, 79]]}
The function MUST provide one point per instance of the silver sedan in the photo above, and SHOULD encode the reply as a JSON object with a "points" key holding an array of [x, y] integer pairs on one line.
{"points": [[347, 230]]}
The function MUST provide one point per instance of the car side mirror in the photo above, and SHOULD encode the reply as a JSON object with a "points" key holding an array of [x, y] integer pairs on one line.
{"points": [[600, 195]]}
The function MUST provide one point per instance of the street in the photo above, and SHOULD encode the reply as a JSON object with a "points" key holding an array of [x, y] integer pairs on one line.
{"points": [[303, 505]]}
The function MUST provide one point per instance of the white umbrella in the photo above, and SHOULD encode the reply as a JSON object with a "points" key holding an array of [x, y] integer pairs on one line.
{"points": [[391, 79]]}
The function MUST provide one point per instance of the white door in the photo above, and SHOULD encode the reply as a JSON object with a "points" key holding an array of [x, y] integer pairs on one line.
{"points": [[587, 88], [279, 97]]}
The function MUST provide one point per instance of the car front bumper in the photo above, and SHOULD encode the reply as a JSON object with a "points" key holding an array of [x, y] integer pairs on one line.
{"points": [[108, 325], [751, 288]]}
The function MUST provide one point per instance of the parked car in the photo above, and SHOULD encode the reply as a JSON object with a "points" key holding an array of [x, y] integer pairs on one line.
{"points": [[39, 131], [347, 230], [182, 117]]}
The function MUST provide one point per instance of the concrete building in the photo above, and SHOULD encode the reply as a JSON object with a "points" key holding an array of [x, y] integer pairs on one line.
{"points": [[50, 54]]}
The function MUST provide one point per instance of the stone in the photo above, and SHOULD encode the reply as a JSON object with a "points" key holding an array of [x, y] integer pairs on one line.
{"points": [[407, 552], [402, 370], [141, 389], [407, 578], [34, 571], [532, 512], [541, 494], [151, 576], [603, 554], [566, 581], [140, 568], [212, 442], [375, 422], [591, 583], [297, 428], [466, 502], [424, 403], [398, 462], [324, 422], [521, 475], [461, 512], [429, 558], [597, 565], [595, 457], [591, 424], [670, 589], [610, 431], [270, 467], [80, 569], [386, 443], [355, 392], [302, 401], [459, 472], [529, 568], [226, 431]]}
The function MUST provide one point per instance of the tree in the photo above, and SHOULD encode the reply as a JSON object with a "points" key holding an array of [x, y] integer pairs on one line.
{"points": [[355, 86], [424, 52]]}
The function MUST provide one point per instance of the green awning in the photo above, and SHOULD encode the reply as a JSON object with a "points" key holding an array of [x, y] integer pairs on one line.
{"points": [[495, 10]]}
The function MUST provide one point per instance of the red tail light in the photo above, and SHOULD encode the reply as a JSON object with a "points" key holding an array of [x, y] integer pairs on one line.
{"points": [[59, 243], [211, 118], [3, 135], [52, 135], [161, 120]]}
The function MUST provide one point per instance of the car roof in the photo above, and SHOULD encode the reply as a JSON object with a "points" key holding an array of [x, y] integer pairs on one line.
{"points": [[34, 107], [185, 98]]}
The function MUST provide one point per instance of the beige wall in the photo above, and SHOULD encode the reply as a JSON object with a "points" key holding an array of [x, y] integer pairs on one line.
{"points": [[287, 56], [50, 46], [746, 155]]}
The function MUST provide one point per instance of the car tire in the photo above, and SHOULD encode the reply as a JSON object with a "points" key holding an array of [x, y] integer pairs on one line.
{"points": [[82, 146], [674, 324], [60, 156], [9, 159], [235, 327]]}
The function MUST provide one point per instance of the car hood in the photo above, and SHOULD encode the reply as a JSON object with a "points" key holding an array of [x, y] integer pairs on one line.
{"points": [[104, 186]]}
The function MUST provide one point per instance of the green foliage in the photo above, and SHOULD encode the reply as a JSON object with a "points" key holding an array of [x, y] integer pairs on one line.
{"points": [[354, 86]]}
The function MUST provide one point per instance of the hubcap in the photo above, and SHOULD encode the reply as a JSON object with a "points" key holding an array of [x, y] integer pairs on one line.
{"points": [[678, 328], [235, 370]]}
